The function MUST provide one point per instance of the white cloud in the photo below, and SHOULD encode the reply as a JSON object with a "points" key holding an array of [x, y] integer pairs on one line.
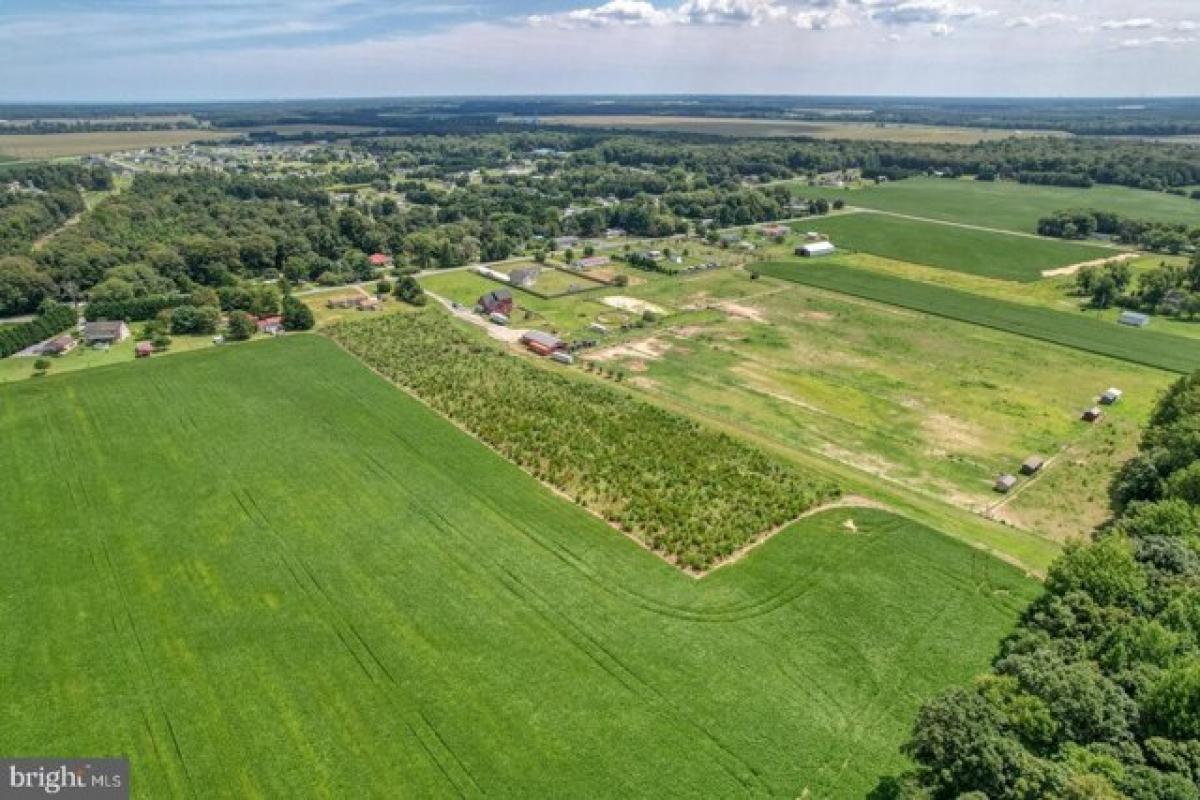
{"points": [[919, 12], [690, 12], [1038, 21], [1158, 41], [1134, 24]]}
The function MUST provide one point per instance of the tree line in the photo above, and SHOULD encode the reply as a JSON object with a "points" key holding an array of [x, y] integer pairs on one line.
{"points": [[1097, 693]]}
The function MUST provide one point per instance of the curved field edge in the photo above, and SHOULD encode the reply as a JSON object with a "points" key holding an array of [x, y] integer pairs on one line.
{"points": [[692, 494], [316, 569], [1146, 347]]}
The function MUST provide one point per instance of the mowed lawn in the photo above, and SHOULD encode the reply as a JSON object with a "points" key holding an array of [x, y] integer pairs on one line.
{"points": [[263, 571], [1006, 204], [995, 255], [1147, 347]]}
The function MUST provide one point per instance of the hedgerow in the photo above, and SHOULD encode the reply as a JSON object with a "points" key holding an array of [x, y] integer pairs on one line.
{"points": [[689, 493], [53, 318]]}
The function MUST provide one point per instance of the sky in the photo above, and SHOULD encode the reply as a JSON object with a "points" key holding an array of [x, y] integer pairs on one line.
{"points": [[143, 50]]}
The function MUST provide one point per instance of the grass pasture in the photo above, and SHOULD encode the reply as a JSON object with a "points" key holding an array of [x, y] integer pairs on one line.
{"points": [[330, 591], [912, 404], [977, 252], [776, 128], [63, 145], [1005, 204], [1138, 346]]}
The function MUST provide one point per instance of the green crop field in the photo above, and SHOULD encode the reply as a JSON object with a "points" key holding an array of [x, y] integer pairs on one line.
{"points": [[1005, 204], [1138, 346], [295, 580], [995, 255]]}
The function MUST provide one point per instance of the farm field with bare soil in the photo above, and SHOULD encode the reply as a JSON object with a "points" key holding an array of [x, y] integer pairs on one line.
{"points": [[326, 572], [774, 128], [62, 145]]}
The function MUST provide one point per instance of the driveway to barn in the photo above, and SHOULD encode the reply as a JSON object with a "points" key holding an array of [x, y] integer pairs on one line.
{"points": [[501, 333]]}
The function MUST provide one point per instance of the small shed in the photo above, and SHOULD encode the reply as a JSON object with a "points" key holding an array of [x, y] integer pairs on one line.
{"points": [[59, 345], [1005, 483], [1033, 465], [1134, 319], [816, 249], [143, 350], [270, 325], [775, 231], [379, 260], [562, 358], [1111, 397], [1093, 414], [497, 318]]}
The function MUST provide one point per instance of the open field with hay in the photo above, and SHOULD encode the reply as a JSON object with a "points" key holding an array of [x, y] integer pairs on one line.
{"points": [[775, 128], [979, 252], [1004, 204], [315, 569], [62, 145]]}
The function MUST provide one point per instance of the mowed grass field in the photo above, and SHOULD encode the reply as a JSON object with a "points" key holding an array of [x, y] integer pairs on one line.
{"points": [[61, 145], [263, 571], [1005, 204], [774, 128], [977, 252], [1138, 346]]}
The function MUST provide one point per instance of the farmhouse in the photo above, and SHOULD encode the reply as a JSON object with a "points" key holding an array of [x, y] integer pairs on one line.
{"points": [[497, 302], [1111, 397], [59, 345], [1033, 465], [524, 277], [816, 249], [1134, 319], [272, 325], [541, 343], [1005, 484], [1093, 414], [105, 333]]}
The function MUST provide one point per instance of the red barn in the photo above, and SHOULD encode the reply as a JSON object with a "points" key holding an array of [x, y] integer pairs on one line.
{"points": [[542, 343], [380, 260], [497, 302]]}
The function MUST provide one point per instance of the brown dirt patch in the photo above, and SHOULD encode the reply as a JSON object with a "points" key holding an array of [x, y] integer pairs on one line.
{"points": [[1073, 268]]}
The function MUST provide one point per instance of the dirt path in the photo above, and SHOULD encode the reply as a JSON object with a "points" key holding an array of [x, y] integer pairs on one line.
{"points": [[43, 240], [848, 501], [1072, 269]]}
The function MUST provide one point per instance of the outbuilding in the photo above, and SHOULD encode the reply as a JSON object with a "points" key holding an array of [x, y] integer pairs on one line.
{"points": [[1111, 397], [59, 345], [1033, 465], [1093, 414], [562, 358], [815, 249], [1005, 484], [380, 260], [1134, 319], [524, 277], [143, 349], [541, 342]]}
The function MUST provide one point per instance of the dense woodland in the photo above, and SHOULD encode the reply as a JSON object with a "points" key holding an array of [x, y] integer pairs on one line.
{"points": [[1097, 694]]}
